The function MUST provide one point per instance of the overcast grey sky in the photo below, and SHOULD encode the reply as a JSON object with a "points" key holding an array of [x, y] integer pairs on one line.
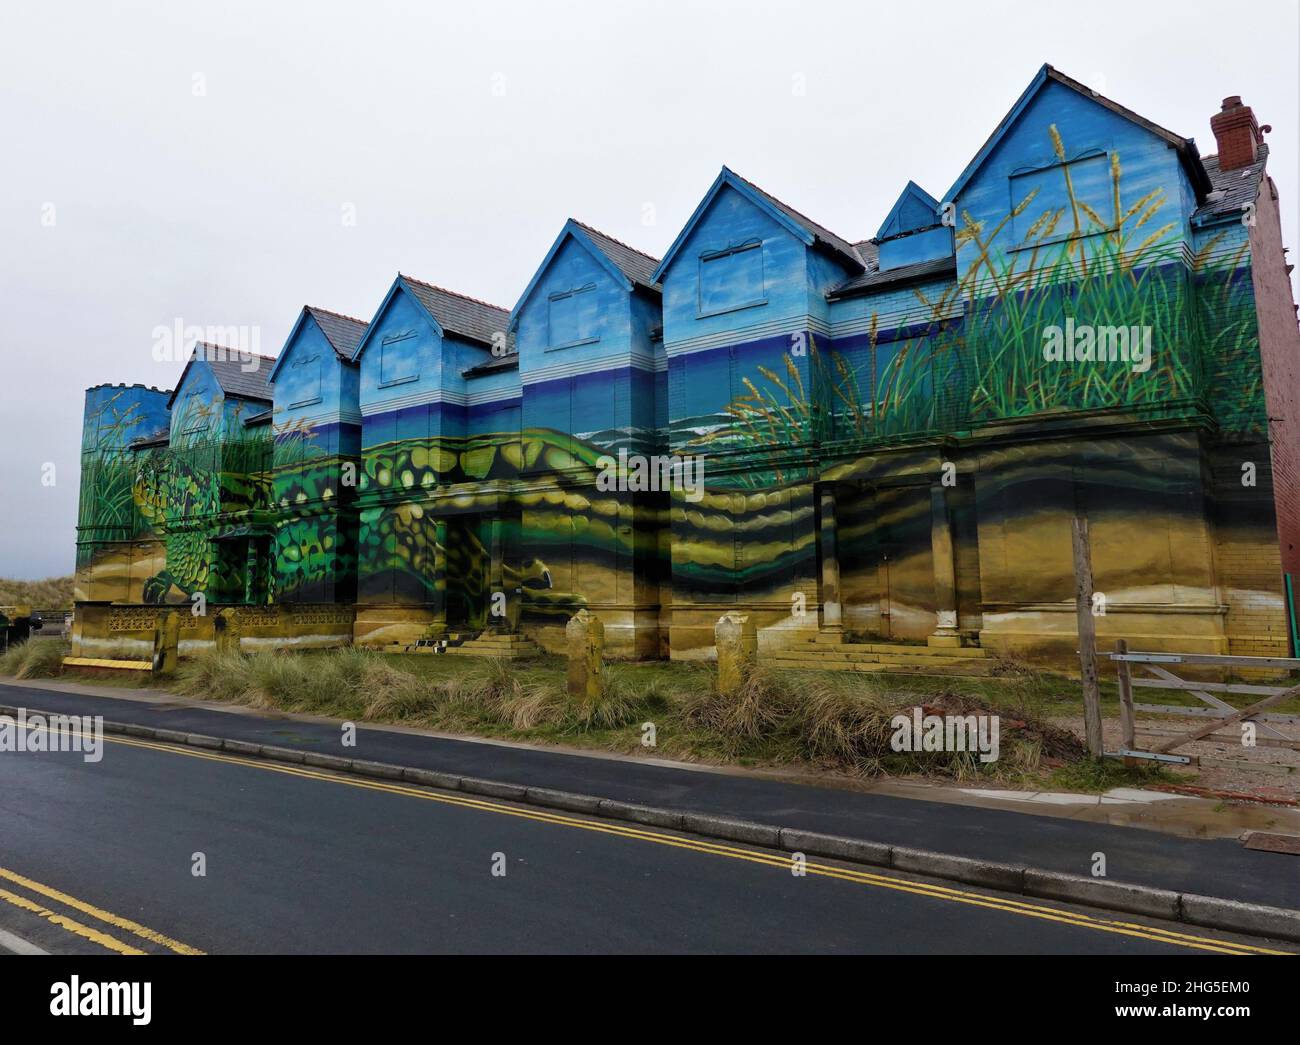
{"points": [[463, 135]]}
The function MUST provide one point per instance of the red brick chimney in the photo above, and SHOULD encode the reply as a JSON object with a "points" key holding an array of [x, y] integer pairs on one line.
{"points": [[1238, 134]]}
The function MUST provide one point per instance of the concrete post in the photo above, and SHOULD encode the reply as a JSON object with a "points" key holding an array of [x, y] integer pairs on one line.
{"points": [[737, 641], [945, 571], [586, 640], [225, 630], [166, 643]]}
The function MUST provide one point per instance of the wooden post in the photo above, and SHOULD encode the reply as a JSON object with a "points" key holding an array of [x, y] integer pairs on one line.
{"points": [[1126, 718], [1087, 637]]}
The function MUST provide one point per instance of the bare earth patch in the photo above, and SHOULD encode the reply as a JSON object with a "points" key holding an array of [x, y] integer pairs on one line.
{"points": [[1266, 772]]}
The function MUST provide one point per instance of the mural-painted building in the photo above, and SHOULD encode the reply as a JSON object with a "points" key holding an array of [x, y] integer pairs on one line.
{"points": [[883, 438]]}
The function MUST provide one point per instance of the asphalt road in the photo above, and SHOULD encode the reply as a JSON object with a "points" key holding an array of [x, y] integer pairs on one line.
{"points": [[98, 857], [1212, 867]]}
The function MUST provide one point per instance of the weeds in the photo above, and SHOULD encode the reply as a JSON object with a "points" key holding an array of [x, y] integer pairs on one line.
{"points": [[835, 722], [35, 659], [1091, 776]]}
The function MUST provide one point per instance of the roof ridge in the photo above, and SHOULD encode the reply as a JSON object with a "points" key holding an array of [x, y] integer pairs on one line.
{"points": [[1137, 117], [793, 210], [339, 315], [453, 293], [615, 239], [227, 348]]}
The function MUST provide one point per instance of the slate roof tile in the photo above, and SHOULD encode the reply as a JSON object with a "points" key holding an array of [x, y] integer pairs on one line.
{"points": [[343, 333], [636, 265], [458, 313]]}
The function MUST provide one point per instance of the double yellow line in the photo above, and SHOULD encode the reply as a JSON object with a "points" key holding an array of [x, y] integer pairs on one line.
{"points": [[699, 845], [92, 933]]}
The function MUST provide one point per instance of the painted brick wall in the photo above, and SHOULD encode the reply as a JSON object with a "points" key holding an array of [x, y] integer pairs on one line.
{"points": [[1247, 560]]}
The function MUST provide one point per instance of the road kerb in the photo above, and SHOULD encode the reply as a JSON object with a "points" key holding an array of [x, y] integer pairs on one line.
{"points": [[837, 847], [550, 798], [1235, 916], [1005, 877], [1189, 908]]}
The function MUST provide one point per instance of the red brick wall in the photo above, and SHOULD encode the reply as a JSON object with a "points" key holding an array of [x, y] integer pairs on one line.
{"points": [[1279, 346]]}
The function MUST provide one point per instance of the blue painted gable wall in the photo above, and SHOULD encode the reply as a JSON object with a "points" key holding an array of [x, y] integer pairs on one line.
{"points": [[602, 386], [317, 393], [1026, 150], [710, 354], [411, 383], [199, 411], [312, 384]]}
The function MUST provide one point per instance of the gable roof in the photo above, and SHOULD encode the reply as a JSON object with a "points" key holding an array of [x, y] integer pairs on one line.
{"points": [[1231, 190], [798, 224], [458, 313], [636, 265], [1185, 147], [628, 266], [450, 313], [227, 366], [342, 332], [912, 195]]}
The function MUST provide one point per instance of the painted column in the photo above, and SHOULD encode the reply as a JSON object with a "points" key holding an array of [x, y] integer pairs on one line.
{"points": [[945, 572], [832, 617], [250, 572], [497, 616], [439, 626]]}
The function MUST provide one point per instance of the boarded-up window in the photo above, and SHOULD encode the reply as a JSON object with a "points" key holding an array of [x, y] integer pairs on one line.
{"points": [[732, 278], [399, 360], [1083, 184], [573, 317], [305, 389]]}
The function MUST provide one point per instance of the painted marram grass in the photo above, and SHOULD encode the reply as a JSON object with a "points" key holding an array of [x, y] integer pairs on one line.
{"points": [[987, 364]]}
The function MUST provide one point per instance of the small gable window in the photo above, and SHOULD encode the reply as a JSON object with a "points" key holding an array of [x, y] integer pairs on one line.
{"points": [[573, 317], [399, 359], [732, 279], [305, 378], [1081, 187]]}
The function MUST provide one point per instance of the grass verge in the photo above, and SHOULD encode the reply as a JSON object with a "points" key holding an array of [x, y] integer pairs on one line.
{"points": [[810, 720], [34, 659]]}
